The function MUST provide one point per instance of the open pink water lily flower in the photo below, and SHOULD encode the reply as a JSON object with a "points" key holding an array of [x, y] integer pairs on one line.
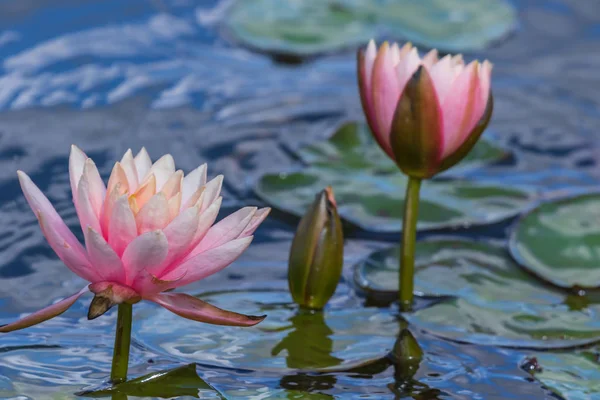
{"points": [[149, 230], [425, 113]]}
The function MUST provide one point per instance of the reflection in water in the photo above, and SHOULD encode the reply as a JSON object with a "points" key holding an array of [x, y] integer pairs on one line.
{"points": [[406, 357], [309, 343]]}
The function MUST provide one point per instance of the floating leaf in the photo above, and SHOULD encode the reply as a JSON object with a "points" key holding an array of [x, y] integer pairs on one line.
{"points": [[182, 381], [560, 241], [370, 189], [308, 27], [352, 147], [573, 376], [375, 202], [493, 301], [340, 336]]}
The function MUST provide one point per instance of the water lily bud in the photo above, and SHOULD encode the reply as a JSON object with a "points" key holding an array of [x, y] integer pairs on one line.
{"points": [[425, 113], [316, 256]]}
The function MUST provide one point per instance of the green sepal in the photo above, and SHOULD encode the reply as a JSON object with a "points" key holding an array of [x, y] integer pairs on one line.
{"points": [[416, 134]]}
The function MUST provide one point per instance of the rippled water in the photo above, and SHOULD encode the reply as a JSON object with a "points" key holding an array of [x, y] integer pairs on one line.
{"points": [[110, 74]]}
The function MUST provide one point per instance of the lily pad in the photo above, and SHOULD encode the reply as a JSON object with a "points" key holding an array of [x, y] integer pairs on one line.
{"points": [[492, 300], [352, 147], [375, 202], [308, 27], [369, 188], [573, 376], [560, 241], [341, 337], [181, 381]]}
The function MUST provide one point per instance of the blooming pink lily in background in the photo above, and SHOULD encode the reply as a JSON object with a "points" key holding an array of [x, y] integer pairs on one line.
{"points": [[425, 113], [148, 231]]}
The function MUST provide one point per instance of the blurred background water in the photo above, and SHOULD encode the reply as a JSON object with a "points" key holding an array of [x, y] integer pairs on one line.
{"points": [[109, 75]]}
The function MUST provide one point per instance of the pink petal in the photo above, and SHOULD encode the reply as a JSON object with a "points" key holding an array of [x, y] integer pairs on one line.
{"points": [[180, 234], [147, 284], [147, 251], [143, 194], [207, 219], [406, 69], [143, 163], [59, 236], [76, 163], [190, 307], [162, 170], [44, 314], [485, 76], [104, 259], [97, 190], [256, 220], [442, 74], [208, 262], [386, 93], [192, 182], [174, 206], [365, 72], [85, 206], [370, 56], [458, 109], [154, 215], [227, 229], [122, 228], [197, 198], [173, 184], [117, 186], [130, 170], [430, 59], [211, 191]]}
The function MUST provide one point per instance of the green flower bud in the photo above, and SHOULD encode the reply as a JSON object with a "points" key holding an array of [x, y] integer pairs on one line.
{"points": [[316, 256]]}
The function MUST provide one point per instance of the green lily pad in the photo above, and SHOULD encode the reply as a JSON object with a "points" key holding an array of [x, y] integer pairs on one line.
{"points": [[308, 27], [492, 300], [573, 376], [370, 189], [181, 381], [352, 147], [375, 202], [341, 337], [559, 241]]}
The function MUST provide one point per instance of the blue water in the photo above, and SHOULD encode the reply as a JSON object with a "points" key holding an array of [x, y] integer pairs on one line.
{"points": [[108, 75]]}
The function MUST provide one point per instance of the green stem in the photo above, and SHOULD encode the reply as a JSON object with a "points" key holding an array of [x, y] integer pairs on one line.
{"points": [[407, 247], [120, 362]]}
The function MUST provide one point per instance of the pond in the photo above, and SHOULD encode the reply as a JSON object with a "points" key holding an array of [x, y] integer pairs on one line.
{"points": [[275, 109]]}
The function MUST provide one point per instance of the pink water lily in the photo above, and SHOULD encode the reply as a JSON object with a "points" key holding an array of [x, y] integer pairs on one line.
{"points": [[149, 230], [425, 113]]}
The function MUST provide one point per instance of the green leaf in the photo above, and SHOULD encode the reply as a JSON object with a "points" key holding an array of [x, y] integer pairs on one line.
{"points": [[559, 241], [491, 300], [369, 187], [181, 381], [309, 27], [573, 376]]}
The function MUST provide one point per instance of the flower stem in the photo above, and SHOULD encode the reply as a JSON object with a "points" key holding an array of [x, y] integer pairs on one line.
{"points": [[120, 362], [407, 247]]}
